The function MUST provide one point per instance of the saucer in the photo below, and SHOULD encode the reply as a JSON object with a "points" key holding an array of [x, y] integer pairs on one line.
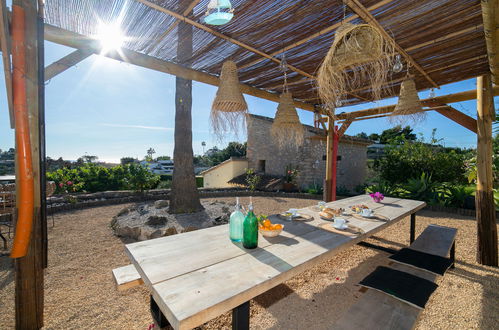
{"points": [[345, 226]]}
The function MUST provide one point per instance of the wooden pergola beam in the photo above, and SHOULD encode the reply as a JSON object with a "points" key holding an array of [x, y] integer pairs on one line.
{"points": [[78, 41], [171, 27], [230, 39], [454, 115], [450, 98], [65, 63], [5, 47], [358, 8], [344, 127], [317, 34], [490, 13]]}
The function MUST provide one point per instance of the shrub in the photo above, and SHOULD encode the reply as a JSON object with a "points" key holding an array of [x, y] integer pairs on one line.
{"points": [[424, 189], [164, 184], [342, 191], [314, 189], [384, 187], [199, 181], [410, 159], [252, 179], [92, 178]]}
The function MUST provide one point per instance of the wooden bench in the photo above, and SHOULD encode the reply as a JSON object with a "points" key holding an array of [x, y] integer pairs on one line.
{"points": [[126, 277], [377, 310]]}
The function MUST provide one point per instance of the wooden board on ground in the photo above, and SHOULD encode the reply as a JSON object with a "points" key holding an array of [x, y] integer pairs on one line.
{"points": [[126, 277], [199, 275]]}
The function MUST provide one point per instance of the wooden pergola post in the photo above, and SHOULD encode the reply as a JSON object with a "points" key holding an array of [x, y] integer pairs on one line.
{"points": [[331, 158], [29, 276], [484, 199]]}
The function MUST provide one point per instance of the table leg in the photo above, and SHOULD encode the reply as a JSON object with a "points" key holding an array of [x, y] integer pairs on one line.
{"points": [[158, 316], [453, 254], [413, 228], [240, 317]]}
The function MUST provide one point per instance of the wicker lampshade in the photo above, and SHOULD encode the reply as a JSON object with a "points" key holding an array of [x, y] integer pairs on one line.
{"points": [[359, 56], [229, 109], [408, 107], [286, 128]]}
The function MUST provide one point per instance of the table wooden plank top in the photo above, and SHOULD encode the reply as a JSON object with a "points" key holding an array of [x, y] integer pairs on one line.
{"points": [[199, 275]]}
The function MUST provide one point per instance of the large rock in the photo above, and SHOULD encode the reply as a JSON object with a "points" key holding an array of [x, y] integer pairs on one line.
{"points": [[162, 203], [151, 220]]}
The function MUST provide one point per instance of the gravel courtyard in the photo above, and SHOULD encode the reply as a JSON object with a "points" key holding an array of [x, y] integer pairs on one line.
{"points": [[80, 291]]}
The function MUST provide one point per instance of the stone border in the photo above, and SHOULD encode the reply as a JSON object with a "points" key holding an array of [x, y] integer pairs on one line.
{"points": [[61, 203]]}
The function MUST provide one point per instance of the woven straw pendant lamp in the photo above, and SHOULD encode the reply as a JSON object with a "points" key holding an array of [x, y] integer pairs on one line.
{"points": [[286, 128], [229, 109], [359, 55], [408, 107]]}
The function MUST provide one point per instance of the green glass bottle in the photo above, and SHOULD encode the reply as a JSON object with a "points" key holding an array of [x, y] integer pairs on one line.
{"points": [[250, 229]]}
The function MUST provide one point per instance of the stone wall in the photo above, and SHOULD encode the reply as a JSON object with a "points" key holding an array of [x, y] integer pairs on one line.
{"points": [[310, 158]]}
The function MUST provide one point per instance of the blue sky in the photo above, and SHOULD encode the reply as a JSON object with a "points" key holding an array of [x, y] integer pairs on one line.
{"points": [[110, 109]]}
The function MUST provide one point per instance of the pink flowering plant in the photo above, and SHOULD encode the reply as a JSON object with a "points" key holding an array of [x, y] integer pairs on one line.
{"points": [[377, 196], [291, 174]]}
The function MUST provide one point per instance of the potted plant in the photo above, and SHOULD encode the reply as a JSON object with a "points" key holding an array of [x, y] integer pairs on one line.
{"points": [[290, 178]]}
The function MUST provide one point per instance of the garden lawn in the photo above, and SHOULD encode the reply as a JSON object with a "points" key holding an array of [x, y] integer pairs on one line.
{"points": [[80, 292]]}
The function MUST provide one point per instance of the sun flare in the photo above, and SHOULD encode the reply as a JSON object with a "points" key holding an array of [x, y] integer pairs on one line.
{"points": [[111, 37]]}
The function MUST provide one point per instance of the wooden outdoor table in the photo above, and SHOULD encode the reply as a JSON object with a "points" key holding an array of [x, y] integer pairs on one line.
{"points": [[194, 277]]}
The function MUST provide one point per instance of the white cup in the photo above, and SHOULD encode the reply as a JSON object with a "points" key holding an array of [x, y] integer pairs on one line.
{"points": [[293, 212], [339, 222], [321, 205], [367, 212]]}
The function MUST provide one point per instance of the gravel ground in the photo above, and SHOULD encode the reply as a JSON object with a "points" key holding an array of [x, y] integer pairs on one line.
{"points": [[80, 292]]}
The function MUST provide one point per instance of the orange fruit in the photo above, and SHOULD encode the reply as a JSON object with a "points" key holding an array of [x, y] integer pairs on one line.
{"points": [[277, 226], [267, 223]]}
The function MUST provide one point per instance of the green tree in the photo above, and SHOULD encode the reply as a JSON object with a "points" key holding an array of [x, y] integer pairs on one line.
{"points": [[362, 135], [374, 137], [391, 134], [163, 158], [127, 160], [184, 197], [150, 152]]}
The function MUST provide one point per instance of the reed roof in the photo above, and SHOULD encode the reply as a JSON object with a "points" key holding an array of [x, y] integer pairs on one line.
{"points": [[445, 37]]}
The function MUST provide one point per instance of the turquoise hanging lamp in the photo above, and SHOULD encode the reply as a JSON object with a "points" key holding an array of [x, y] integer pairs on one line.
{"points": [[219, 12]]}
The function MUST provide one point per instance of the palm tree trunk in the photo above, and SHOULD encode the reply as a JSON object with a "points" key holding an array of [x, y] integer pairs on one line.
{"points": [[184, 197]]}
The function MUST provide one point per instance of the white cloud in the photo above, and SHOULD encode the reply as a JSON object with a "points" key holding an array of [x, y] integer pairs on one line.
{"points": [[139, 126]]}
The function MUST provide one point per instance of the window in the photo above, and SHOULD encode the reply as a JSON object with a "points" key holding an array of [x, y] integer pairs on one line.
{"points": [[261, 166]]}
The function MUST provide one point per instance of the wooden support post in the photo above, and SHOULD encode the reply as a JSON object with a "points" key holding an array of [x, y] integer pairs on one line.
{"points": [[29, 275], [328, 196], [336, 141], [331, 161], [484, 199], [5, 46]]}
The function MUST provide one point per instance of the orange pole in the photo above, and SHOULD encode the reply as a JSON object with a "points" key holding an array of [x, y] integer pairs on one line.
{"points": [[24, 181]]}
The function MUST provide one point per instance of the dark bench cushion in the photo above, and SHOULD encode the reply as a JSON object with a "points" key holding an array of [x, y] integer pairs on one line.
{"points": [[406, 287], [430, 262]]}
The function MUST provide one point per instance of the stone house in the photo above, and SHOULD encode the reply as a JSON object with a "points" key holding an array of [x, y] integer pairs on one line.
{"points": [[266, 157]]}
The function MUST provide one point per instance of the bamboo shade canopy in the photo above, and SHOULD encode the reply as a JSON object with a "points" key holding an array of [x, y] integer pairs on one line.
{"points": [[445, 37]]}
